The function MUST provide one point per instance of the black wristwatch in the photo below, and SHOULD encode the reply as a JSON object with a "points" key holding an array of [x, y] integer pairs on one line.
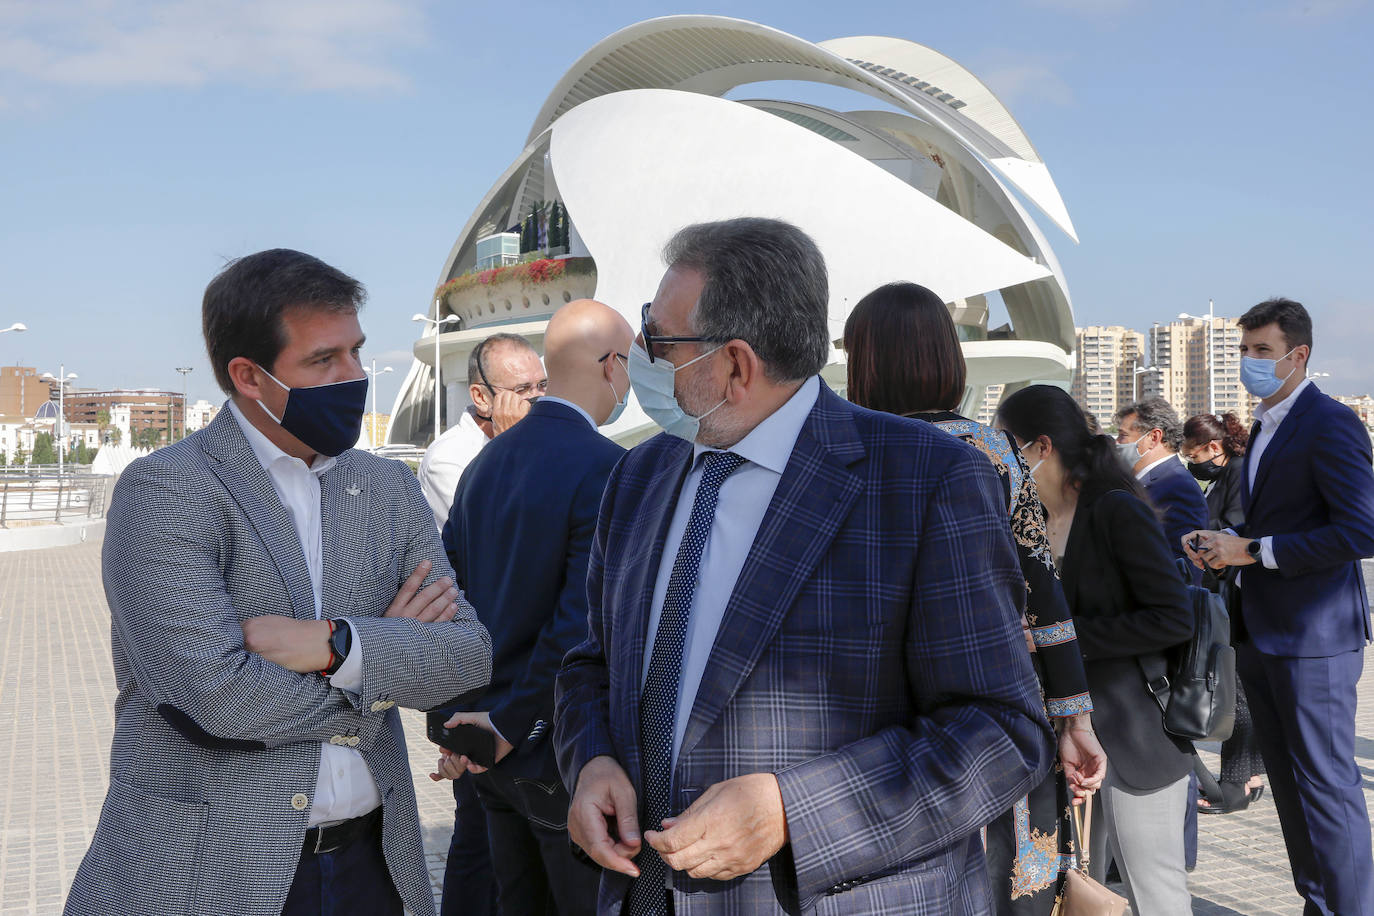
{"points": [[1253, 548], [340, 641]]}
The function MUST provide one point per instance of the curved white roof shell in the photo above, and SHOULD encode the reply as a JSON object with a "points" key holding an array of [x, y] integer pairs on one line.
{"points": [[714, 54]]}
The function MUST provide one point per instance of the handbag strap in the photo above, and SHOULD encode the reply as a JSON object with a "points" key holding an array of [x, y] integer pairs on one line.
{"points": [[1081, 817]]}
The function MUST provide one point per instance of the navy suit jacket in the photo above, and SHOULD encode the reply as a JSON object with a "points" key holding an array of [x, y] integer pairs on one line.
{"points": [[1176, 493], [519, 535], [870, 656], [1314, 494]]}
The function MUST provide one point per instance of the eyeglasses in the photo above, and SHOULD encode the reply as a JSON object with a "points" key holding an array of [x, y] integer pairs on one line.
{"points": [[650, 341], [523, 390], [621, 356]]}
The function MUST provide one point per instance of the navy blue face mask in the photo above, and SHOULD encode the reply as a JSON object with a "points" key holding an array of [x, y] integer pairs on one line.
{"points": [[328, 418]]}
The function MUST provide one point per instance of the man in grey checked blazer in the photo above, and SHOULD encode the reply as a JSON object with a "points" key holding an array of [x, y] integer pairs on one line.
{"points": [[238, 752], [839, 691]]}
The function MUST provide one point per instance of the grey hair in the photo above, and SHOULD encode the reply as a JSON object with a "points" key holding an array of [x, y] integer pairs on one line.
{"points": [[765, 284], [477, 359], [1155, 413]]}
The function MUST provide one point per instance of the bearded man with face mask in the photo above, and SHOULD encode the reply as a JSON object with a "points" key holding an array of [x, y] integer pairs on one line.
{"points": [[1302, 619], [804, 675], [274, 596]]}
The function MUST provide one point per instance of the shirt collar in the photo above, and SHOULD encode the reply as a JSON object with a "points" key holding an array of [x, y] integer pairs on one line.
{"points": [[770, 444], [1271, 417], [1154, 464], [566, 403], [267, 451]]}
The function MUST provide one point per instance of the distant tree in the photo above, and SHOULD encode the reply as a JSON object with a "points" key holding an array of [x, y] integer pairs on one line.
{"points": [[102, 421], [43, 452], [113, 435], [20, 458]]}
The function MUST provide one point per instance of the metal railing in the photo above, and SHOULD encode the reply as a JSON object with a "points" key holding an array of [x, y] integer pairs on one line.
{"points": [[43, 497]]}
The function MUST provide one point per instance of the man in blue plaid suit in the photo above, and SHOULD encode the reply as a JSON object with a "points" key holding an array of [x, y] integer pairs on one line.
{"points": [[804, 686], [274, 595]]}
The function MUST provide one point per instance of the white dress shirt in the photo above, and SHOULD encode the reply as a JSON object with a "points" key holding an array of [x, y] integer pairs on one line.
{"points": [[743, 501], [345, 787], [1269, 419], [444, 462], [1154, 464]]}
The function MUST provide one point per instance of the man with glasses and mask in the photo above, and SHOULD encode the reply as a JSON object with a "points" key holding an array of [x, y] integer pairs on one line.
{"points": [[504, 376], [1302, 620], [519, 538], [803, 677], [274, 595]]}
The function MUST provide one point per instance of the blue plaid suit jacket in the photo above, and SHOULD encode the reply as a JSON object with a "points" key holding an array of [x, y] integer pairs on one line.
{"points": [[212, 743], [871, 656]]}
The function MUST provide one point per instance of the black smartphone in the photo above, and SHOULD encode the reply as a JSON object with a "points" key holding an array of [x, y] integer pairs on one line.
{"points": [[475, 743], [1196, 544]]}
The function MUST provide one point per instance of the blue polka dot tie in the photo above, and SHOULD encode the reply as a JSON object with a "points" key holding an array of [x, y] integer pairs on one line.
{"points": [[658, 704]]}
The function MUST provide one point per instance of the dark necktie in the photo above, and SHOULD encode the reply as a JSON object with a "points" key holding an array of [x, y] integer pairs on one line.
{"points": [[658, 703]]}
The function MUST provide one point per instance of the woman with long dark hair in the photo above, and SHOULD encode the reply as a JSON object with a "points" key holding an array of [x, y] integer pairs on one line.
{"points": [[1128, 600], [1213, 447], [904, 358]]}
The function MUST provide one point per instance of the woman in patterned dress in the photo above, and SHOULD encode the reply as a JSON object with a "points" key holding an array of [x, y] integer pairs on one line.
{"points": [[904, 358]]}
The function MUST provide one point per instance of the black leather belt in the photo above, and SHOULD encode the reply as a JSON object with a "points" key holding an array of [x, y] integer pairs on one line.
{"points": [[333, 837]]}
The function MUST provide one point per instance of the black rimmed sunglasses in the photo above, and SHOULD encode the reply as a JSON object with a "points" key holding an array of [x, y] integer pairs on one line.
{"points": [[650, 340]]}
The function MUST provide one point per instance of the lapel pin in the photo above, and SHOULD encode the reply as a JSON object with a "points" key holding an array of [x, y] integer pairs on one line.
{"points": [[354, 490]]}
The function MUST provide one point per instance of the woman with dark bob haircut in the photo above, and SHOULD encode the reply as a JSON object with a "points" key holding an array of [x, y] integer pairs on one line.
{"points": [[1128, 600], [904, 358]]}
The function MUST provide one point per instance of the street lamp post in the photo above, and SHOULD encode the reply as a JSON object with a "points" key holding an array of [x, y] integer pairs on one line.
{"points": [[61, 378], [373, 385], [437, 322], [17, 326], [1135, 379], [185, 371], [1211, 361]]}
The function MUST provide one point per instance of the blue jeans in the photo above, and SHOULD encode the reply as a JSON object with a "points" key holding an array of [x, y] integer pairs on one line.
{"points": [[469, 888], [348, 881]]}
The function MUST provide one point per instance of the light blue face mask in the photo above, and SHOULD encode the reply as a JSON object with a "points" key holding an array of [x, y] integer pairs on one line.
{"points": [[1258, 376], [621, 401], [653, 385]]}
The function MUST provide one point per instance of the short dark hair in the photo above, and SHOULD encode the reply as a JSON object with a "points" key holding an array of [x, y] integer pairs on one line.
{"points": [[1294, 323], [1155, 413], [903, 351], [477, 359], [765, 284], [243, 305]]}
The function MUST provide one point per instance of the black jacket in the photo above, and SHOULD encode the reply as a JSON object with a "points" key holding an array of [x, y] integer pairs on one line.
{"points": [[1127, 599], [1224, 508]]}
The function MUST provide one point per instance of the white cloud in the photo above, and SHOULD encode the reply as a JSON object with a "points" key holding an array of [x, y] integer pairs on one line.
{"points": [[289, 44], [1018, 79]]}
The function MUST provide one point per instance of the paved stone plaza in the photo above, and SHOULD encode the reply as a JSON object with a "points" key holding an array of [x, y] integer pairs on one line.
{"points": [[56, 717]]}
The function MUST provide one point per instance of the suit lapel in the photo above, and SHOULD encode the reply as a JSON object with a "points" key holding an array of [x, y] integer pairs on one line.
{"points": [[344, 499], [813, 498], [1074, 547], [237, 467], [1282, 436]]}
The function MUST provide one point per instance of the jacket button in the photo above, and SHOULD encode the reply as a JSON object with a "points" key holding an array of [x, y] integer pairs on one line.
{"points": [[353, 740], [299, 801]]}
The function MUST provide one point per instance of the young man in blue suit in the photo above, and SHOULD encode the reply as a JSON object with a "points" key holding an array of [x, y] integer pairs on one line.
{"points": [[274, 596], [1303, 618], [1149, 434], [803, 683], [520, 537]]}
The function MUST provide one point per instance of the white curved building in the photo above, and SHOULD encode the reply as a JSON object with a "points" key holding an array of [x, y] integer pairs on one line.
{"points": [[637, 140]]}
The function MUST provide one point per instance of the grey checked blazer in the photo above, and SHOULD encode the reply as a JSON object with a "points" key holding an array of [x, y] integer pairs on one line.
{"points": [[870, 655], [216, 751]]}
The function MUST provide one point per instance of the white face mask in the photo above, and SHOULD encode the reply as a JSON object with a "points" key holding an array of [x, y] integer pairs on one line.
{"points": [[653, 385], [620, 400], [1129, 452], [1031, 469]]}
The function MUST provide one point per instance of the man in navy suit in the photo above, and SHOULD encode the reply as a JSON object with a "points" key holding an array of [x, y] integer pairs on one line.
{"points": [[803, 685], [1303, 617], [1149, 434], [519, 538]]}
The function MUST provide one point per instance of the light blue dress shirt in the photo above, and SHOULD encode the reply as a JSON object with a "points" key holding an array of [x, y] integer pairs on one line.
{"points": [[744, 499]]}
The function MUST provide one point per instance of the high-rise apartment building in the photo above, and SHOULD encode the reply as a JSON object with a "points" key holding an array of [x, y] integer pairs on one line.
{"points": [[1198, 368], [1108, 358], [22, 392]]}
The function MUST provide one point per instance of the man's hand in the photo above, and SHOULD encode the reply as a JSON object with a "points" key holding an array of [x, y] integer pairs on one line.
{"points": [[437, 601], [604, 792], [300, 645], [1081, 755], [451, 765], [1217, 549], [732, 829], [507, 409]]}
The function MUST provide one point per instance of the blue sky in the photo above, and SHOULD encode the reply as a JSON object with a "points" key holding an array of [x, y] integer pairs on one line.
{"points": [[1205, 149]]}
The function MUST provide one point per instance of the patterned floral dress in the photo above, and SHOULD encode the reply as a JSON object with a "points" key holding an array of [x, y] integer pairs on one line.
{"points": [[1029, 847]]}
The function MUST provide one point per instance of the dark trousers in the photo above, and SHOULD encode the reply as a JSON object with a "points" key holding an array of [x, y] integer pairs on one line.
{"points": [[527, 825], [344, 882], [468, 886], [1304, 716]]}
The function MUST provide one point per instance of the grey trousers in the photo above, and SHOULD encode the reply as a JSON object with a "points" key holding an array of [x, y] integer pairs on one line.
{"points": [[1143, 831]]}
